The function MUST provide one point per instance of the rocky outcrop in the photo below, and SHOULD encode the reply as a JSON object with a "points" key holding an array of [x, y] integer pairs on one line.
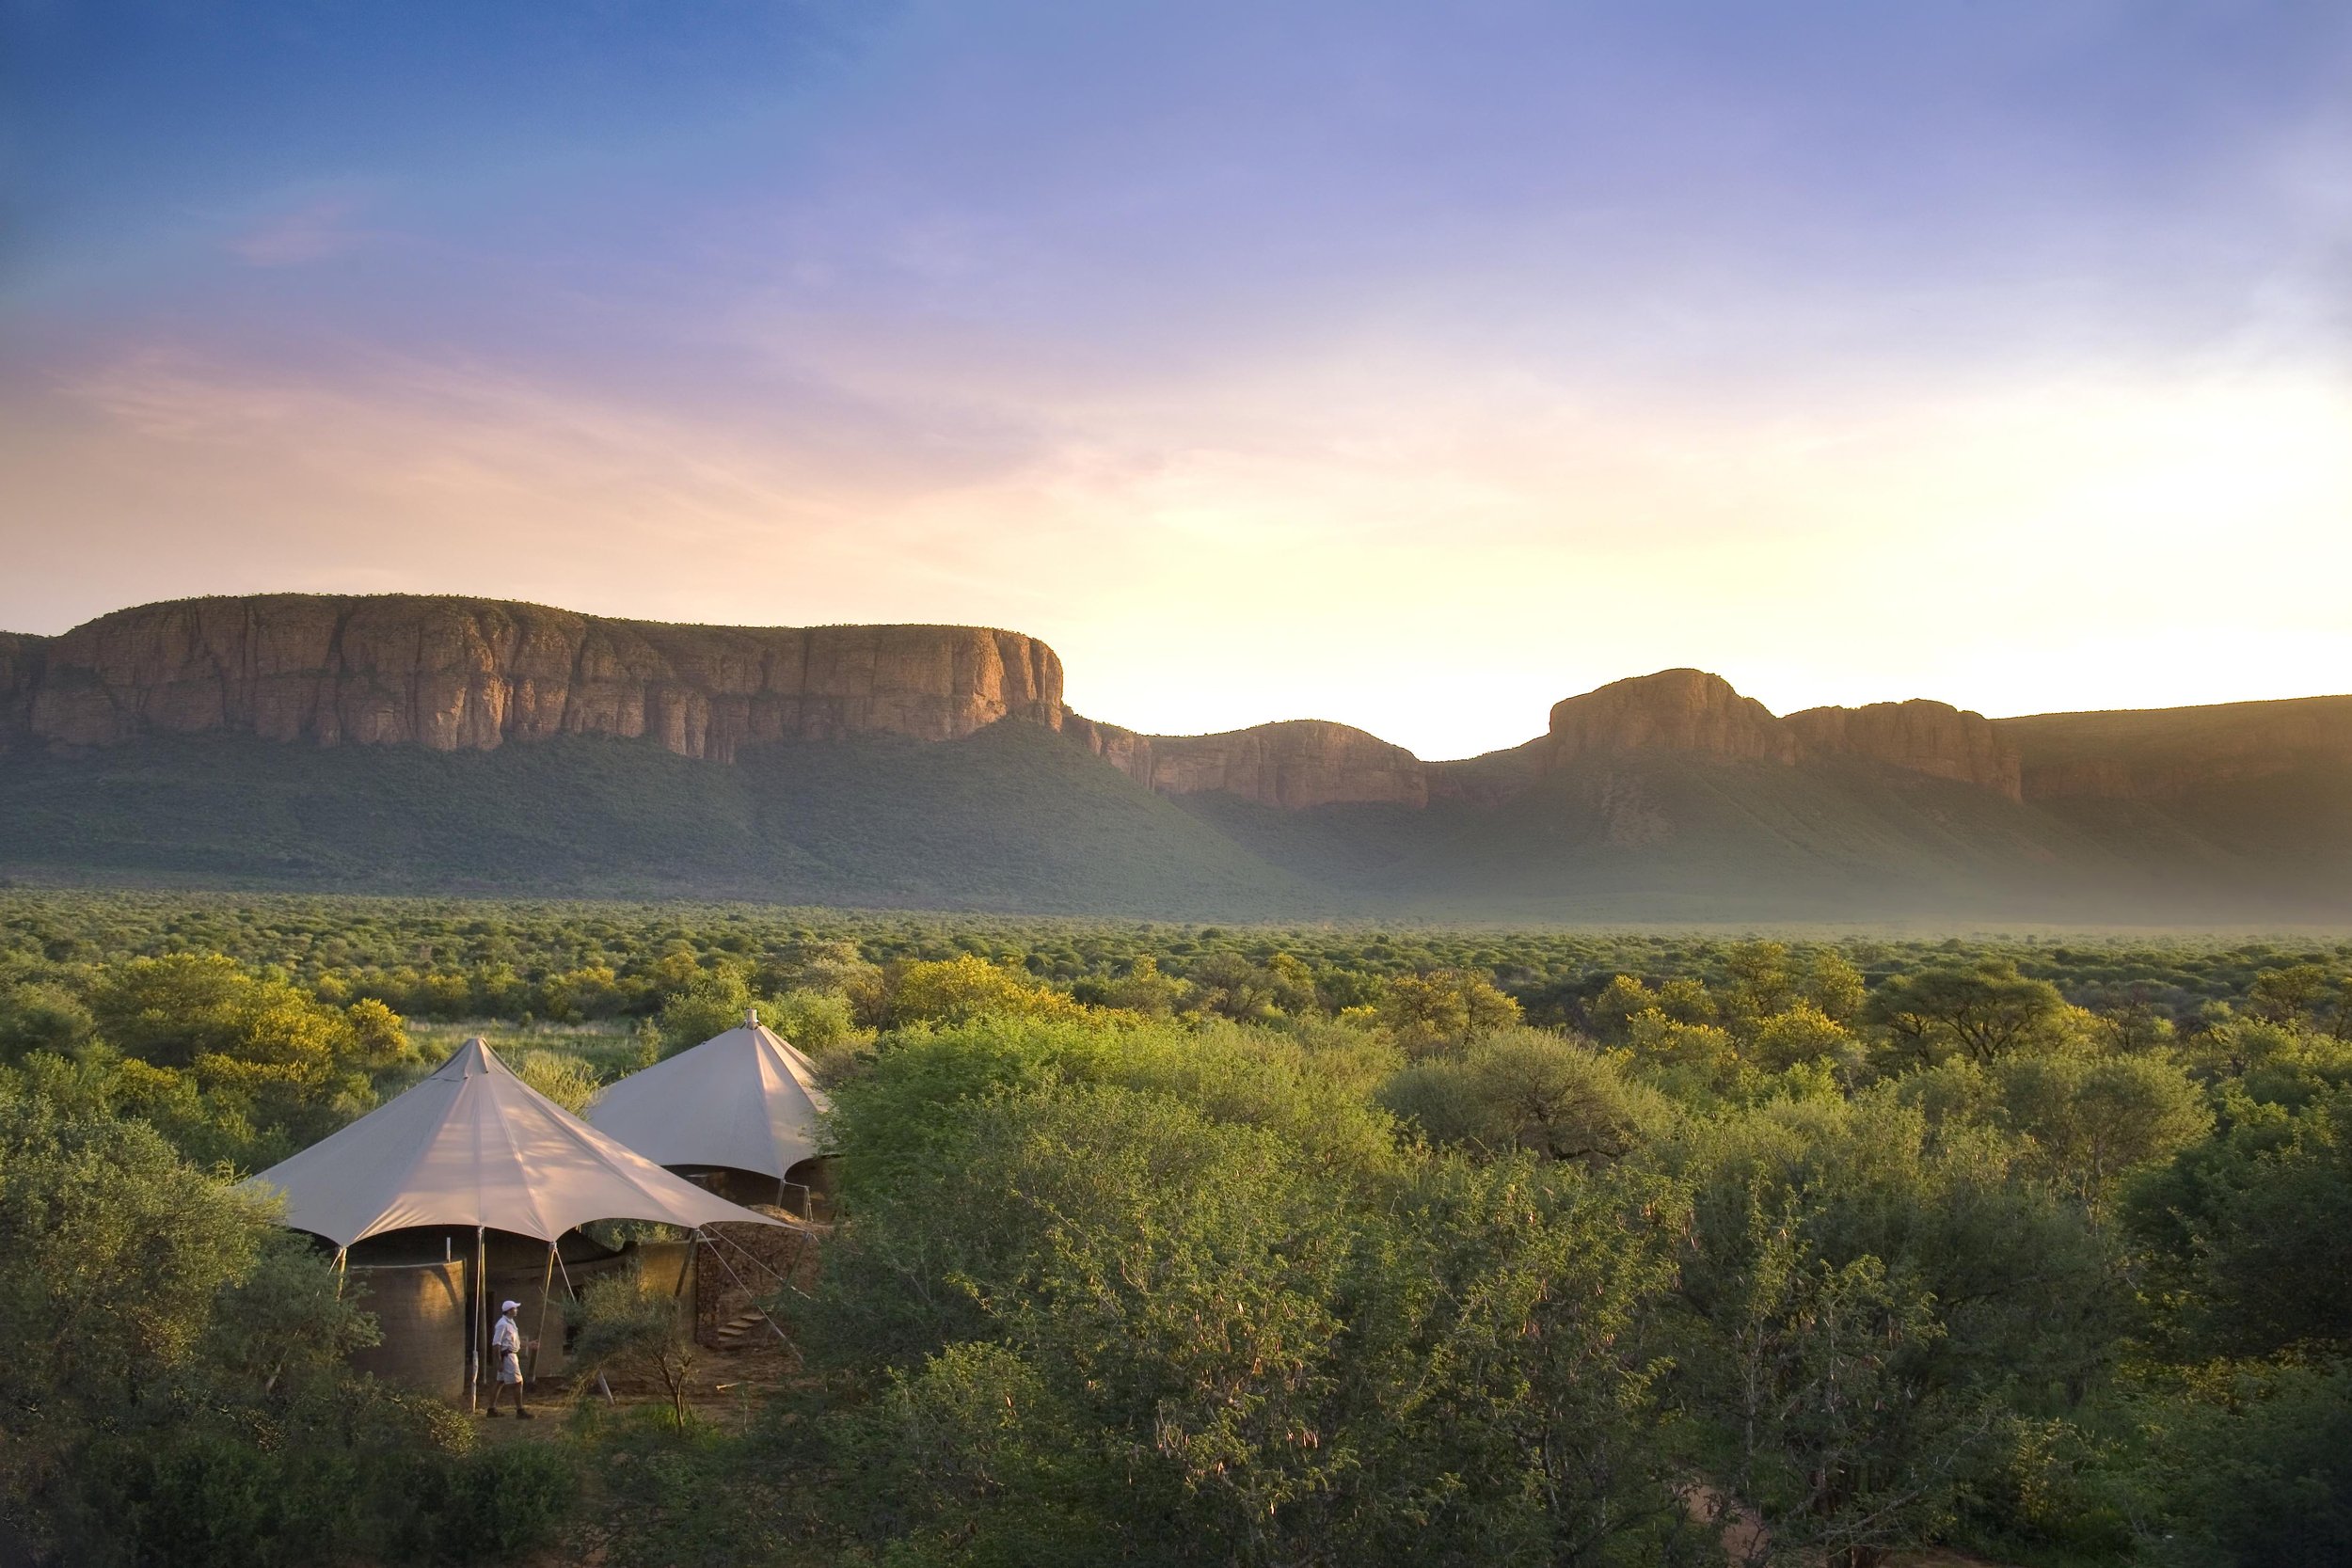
{"points": [[2157, 753], [1492, 777], [1124, 749], [455, 673], [1302, 762], [21, 661], [1680, 710], [1924, 736], [1295, 764], [1307, 762]]}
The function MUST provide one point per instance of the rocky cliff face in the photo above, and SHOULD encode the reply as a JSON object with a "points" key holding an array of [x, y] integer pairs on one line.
{"points": [[1680, 710], [2157, 753], [1934, 739], [1304, 762], [1689, 710], [1295, 764], [455, 673], [21, 660]]}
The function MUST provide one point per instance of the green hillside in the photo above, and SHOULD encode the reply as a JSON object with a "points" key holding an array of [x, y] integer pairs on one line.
{"points": [[1018, 818], [1673, 835], [2279, 841], [1013, 817]]}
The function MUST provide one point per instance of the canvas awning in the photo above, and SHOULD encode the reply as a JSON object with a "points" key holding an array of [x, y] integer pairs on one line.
{"points": [[744, 1099], [473, 1145]]}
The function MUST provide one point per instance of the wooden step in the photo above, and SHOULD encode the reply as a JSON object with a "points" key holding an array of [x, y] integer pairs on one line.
{"points": [[742, 1329]]}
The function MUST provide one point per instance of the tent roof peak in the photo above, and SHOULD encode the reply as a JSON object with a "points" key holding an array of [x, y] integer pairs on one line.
{"points": [[473, 1145], [469, 1060], [742, 1100]]}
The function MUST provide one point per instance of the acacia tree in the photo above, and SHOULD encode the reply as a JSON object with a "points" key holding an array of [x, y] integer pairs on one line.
{"points": [[626, 1328], [1442, 1010], [1980, 1013], [1527, 1090]]}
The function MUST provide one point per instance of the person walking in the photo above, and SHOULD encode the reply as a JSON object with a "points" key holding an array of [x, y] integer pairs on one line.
{"points": [[507, 1354]]}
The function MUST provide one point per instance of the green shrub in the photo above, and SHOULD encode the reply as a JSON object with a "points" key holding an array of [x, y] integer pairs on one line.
{"points": [[494, 1504]]}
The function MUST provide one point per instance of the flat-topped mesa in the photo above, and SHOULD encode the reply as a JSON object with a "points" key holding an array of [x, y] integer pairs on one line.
{"points": [[1294, 764], [1925, 737], [459, 674], [1680, 710], [2152, 753]]}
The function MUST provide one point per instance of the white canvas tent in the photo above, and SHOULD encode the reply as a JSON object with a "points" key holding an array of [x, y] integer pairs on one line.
{"points": [[742, 1100], [473, 1145]]}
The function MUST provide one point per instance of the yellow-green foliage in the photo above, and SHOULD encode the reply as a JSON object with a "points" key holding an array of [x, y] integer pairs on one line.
{"points": [[564, 1078], [1442, 1009], [959, 989], [1164, 1244]]}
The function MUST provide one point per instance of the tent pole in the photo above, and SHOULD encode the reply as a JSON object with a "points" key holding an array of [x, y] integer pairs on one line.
{"points": [[546, 1283], [474, 1328], [602, 1387], [343, 1262]]}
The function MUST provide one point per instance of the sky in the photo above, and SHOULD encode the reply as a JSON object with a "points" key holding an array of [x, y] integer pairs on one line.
{"points": [[1413, 366]]}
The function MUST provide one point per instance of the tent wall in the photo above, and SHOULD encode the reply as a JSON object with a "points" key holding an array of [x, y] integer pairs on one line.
{"points": [[420, 1311], [520, 1281], [811, 1185], [668, 1269], [805, 1192]]}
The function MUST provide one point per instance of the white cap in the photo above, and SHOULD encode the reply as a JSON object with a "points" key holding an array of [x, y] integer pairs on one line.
{"points": [[509, 1306]]}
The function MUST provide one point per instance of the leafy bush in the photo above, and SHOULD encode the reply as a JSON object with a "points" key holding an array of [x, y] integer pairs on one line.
{"points": [[494, 1504], [563, 1077]]}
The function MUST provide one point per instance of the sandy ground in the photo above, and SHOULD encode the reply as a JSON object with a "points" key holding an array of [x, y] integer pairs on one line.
{"points": [[728, 1384]]}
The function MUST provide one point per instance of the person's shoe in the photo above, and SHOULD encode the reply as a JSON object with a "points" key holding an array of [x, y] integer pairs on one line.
{"points": [[490, 1414], [526, 1415]]}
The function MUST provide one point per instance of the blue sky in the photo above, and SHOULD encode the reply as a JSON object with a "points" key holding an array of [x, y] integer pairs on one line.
{"points": [[1411, 366]]}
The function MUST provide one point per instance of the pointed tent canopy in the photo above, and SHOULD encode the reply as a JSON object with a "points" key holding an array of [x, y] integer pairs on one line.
{"points": [[744, 1099], [475, 1144]]}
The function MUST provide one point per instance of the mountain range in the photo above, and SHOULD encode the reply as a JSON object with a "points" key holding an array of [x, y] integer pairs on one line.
{"points": [[401, 743]]}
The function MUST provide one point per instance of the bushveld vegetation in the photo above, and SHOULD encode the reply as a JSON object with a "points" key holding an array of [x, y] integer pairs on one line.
{"points": [[1181, 1244]]}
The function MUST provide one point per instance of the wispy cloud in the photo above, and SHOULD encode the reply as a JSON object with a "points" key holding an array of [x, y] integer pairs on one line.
{"points": [[309, 233], [1436, 565]]}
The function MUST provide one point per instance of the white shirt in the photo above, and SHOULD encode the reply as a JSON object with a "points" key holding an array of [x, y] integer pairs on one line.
{"points": [[507, 1337]]}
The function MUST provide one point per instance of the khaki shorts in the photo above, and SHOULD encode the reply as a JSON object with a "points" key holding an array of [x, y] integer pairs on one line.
{"points": [[510, 1366]]}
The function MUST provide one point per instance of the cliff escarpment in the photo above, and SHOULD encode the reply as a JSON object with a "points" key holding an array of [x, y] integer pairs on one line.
{"points": [[459, 674], [453, 674], [2158, 754], [1934, 739], [1294, 764], [21, 661], [1674, 710]]}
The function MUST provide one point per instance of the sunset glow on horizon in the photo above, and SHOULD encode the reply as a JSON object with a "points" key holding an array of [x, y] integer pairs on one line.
{"points": [[1412, 366]]}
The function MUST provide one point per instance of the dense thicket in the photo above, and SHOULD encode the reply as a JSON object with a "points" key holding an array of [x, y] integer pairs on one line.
{"points": [[1168, 1244]]}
